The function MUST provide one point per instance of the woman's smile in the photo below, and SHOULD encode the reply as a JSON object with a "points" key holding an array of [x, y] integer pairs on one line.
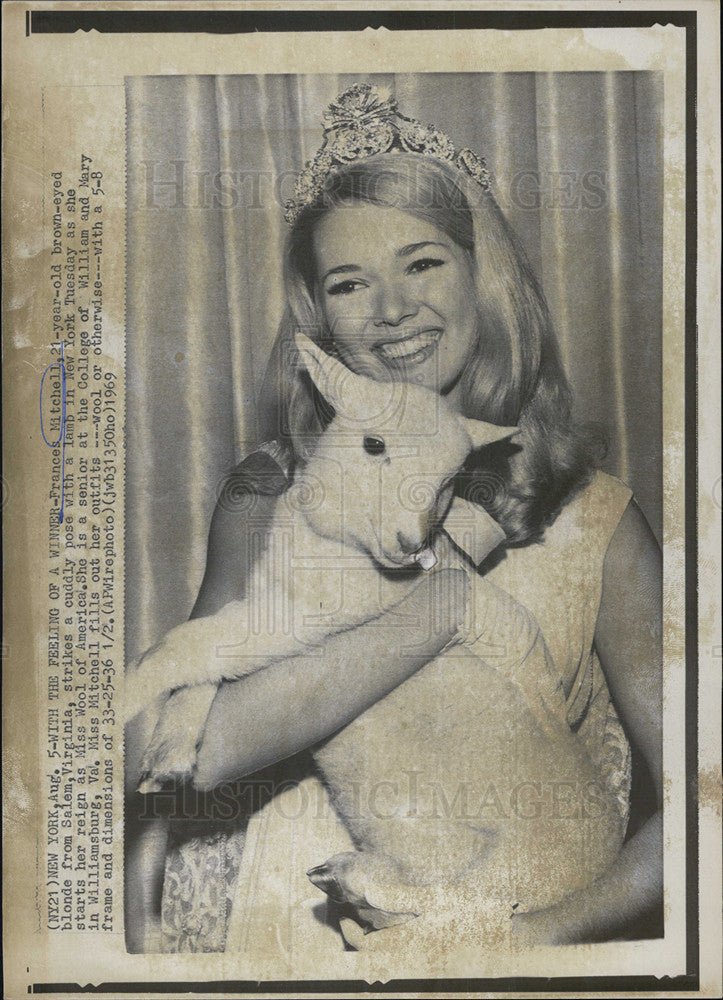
{"points": [[412, 349], [398, 294]]}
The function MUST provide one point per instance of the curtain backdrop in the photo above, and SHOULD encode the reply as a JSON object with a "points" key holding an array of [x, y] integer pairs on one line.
{"points": [[576, 159]]}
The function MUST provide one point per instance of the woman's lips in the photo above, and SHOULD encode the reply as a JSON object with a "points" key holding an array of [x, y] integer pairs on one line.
{"points": [[410, 350]]}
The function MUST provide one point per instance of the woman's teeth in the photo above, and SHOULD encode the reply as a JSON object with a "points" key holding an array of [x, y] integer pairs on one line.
{"points": [[404, 349]]}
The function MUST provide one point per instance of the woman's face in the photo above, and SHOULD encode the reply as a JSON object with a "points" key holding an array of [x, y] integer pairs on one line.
{"points": [[398, 295]]}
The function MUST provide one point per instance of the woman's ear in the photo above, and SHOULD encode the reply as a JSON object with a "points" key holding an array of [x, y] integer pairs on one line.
{"points": [[482, 433]]}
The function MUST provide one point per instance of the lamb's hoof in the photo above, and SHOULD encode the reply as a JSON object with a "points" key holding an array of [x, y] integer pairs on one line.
{"points": [[149, 784], [347, 878], [165, 767], [157, 779]]}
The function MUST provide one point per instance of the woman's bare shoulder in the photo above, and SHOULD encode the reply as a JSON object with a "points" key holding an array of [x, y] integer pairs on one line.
{"points": [[633, 548], [266, 470], [239, 526]]}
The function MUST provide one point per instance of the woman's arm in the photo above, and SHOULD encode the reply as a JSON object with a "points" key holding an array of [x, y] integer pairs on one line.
{"points": [[235, 538], [295, 702], [628, 642]]}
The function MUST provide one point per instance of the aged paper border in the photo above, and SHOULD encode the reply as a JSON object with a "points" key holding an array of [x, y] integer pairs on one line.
{"points": [[36, 60]]}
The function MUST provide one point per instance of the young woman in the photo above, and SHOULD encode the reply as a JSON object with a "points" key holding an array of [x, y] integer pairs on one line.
{"points": [[400, 263]]}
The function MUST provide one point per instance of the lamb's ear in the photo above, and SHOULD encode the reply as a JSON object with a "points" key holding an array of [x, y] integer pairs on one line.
{"points": [[483, 433], [346, 391]]}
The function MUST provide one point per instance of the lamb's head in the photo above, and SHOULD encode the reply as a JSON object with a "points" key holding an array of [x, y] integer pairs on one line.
{"points": [[383, 470]]}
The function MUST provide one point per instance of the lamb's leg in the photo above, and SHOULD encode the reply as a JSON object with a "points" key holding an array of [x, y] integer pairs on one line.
{"points": [[184, 656], [171, 753], [204, 650]]}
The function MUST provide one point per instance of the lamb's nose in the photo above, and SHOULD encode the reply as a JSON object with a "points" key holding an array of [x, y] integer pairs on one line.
{"points": [[422, 554], [407, 545]]}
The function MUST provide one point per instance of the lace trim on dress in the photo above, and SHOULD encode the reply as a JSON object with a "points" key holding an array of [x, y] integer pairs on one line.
{"points": [[198, 888]]}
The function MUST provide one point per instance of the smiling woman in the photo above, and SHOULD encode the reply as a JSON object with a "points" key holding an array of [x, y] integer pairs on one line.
{"points": [[400, 263], [407, 308]]}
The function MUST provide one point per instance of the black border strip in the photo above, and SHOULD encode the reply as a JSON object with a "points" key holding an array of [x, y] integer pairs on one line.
{"points": [[340, 987], [692, 859], [244, 21], [65, 21]]}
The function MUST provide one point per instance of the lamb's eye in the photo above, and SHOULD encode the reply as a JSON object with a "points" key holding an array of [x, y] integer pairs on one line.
{"points": [[374, 445]]}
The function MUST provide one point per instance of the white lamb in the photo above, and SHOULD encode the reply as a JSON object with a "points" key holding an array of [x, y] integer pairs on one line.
{"points": [[379, 481], [476, 726]]}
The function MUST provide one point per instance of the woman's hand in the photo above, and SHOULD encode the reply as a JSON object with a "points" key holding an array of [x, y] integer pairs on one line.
{"points": [[630, 889]]}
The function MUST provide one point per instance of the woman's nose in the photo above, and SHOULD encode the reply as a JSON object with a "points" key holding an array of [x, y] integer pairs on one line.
{"points": [[393, 306]]}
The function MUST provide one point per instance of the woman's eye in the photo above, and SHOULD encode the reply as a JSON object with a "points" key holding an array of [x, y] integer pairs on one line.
{"points": [[374, 445], [424, 264], [343, 287]]}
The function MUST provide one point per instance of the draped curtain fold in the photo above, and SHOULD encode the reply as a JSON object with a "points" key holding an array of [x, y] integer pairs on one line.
{"points": [[576, 159]]}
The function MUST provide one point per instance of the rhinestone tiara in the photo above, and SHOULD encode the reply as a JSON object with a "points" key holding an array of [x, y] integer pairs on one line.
{"points": [[365, 121]]}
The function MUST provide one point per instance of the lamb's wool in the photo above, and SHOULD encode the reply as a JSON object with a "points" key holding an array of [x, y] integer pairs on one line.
{"points": [[373, 487]]}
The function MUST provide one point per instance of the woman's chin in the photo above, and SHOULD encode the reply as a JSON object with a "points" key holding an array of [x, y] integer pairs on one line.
{"points": [[425, 374]]}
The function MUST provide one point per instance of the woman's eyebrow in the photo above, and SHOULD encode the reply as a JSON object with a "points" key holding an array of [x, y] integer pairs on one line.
{"points": [[341, 269], [412, 247]]}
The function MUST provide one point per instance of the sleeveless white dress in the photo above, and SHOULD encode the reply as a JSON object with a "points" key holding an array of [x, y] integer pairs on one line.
{"points": [[559, 580]]}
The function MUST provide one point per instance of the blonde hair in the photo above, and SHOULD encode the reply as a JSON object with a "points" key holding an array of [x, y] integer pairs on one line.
{"points": [[516, 374]]}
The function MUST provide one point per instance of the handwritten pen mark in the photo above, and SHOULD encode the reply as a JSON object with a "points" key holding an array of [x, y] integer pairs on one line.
{"points": [[61, 437]]}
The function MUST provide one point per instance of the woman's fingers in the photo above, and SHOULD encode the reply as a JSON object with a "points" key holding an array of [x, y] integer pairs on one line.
{"points": [[497, 627], [451, 592], [435, 608]]}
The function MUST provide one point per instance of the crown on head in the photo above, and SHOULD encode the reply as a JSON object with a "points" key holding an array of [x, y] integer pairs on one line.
{"points": [[365, 121]]}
